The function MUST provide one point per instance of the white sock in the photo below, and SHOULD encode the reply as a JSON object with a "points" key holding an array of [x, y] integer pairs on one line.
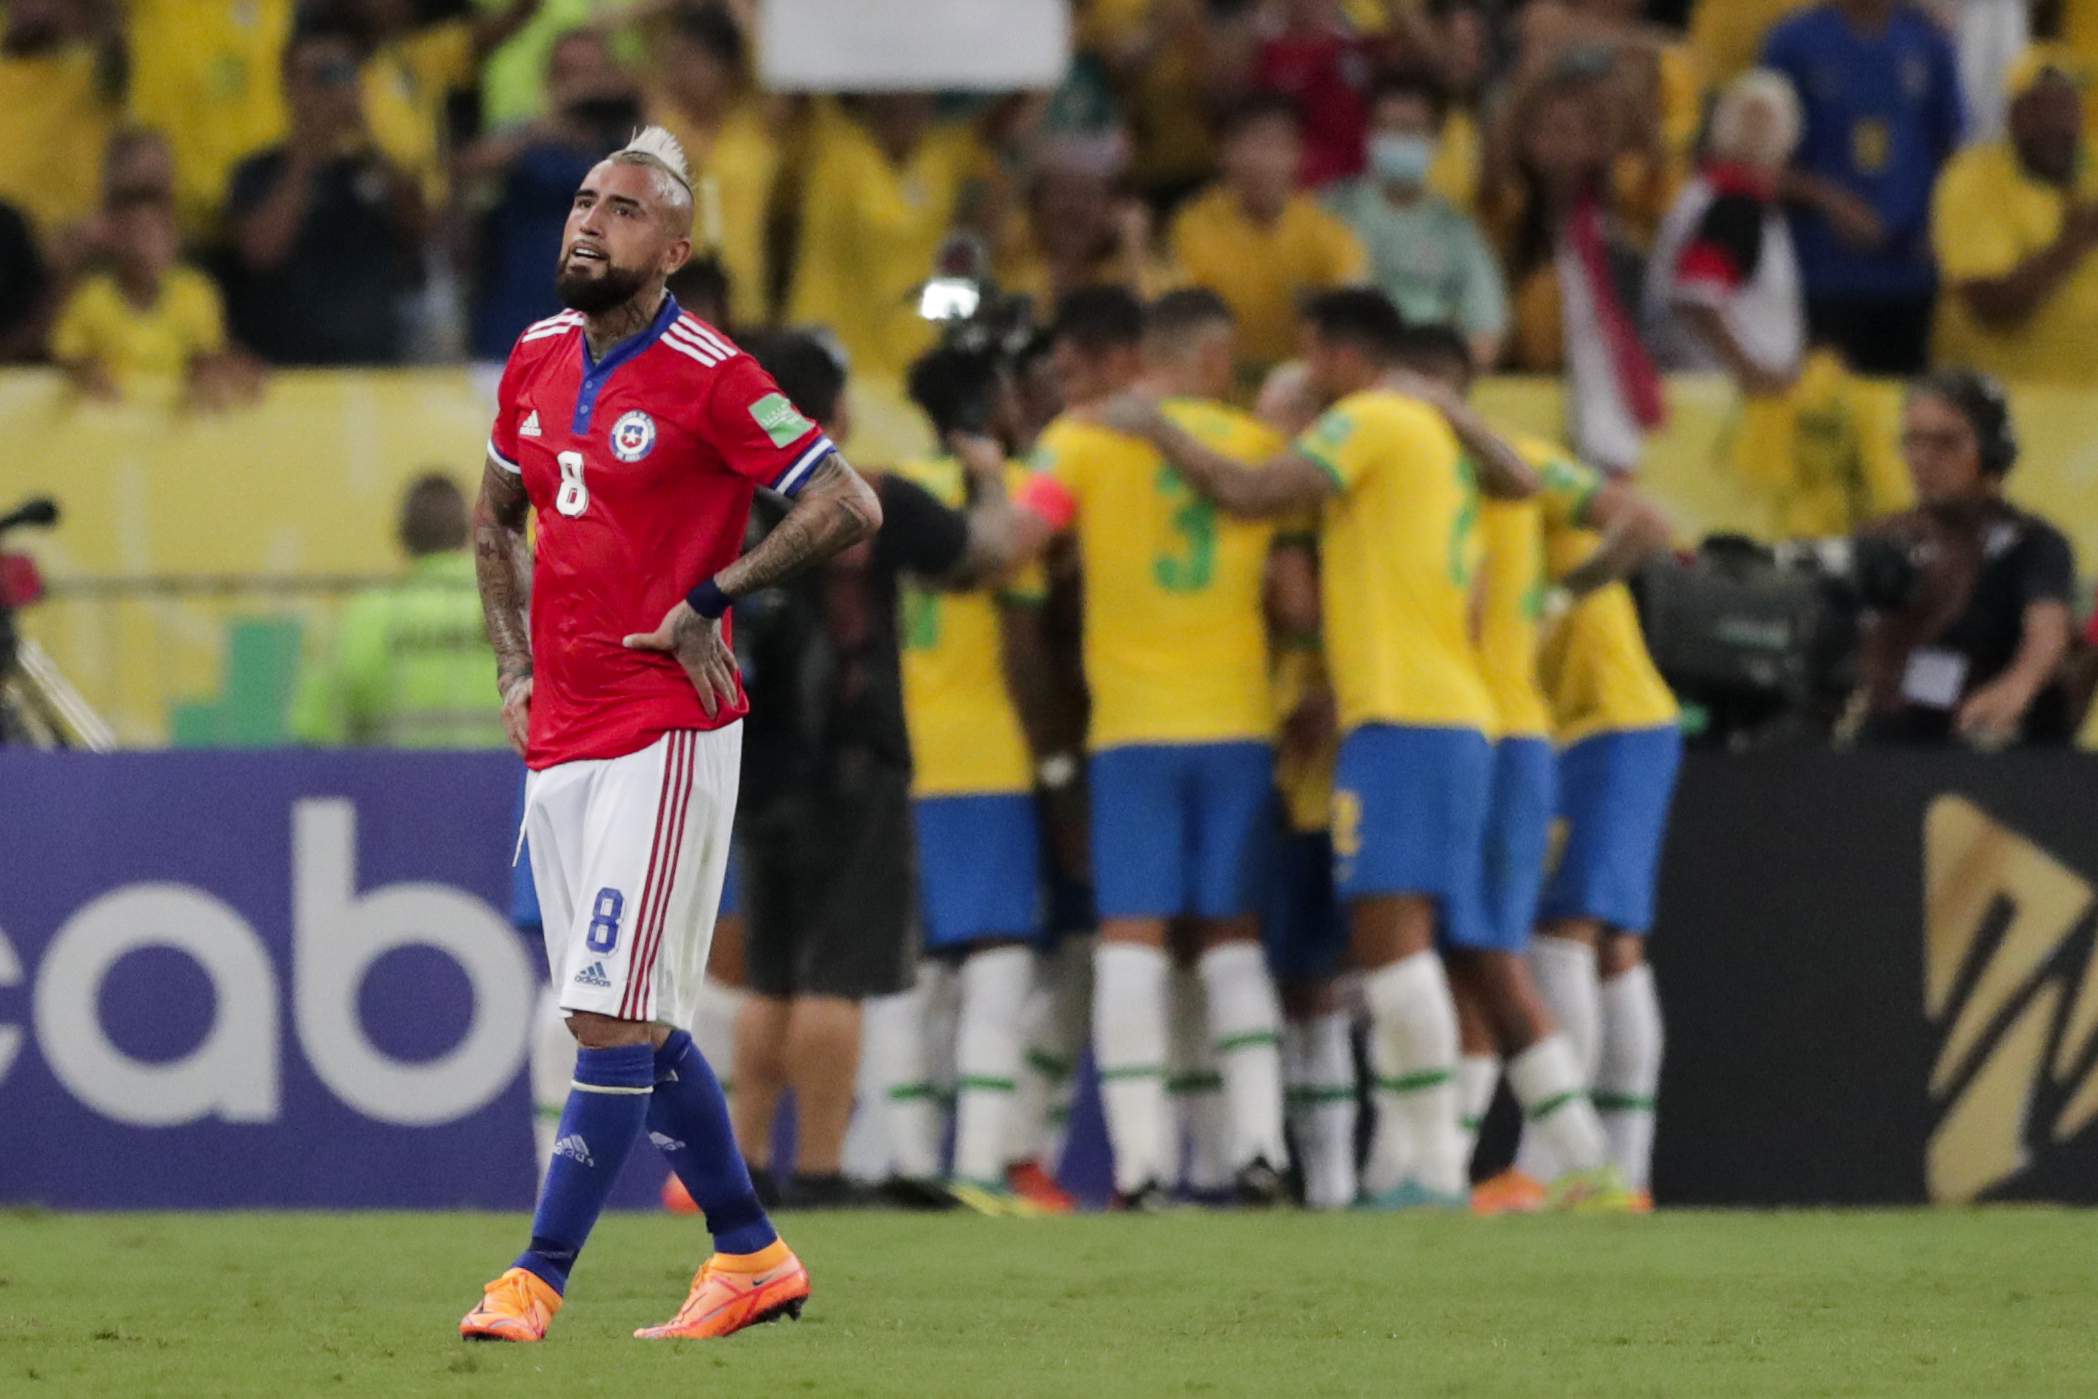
{"points": [[1319, 1062], [987, 1051], [1200, 1138], [894, 1036], [1630, 1072], [1477, 1076], [1413, 1026], [1129, 1045], [1565, 972], [714, 1028], [1245, 1027], [553, 1069], [1546, 1079], [1061, 1013]]}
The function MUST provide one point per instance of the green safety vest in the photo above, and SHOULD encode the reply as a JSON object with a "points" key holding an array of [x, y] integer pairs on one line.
{"points": [[410, 667]]}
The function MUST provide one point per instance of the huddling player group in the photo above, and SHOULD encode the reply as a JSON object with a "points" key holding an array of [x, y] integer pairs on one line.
{"points": [[1373, 737]]}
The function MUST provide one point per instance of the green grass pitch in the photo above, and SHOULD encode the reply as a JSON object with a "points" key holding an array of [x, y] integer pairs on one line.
{"points": [[1972, 1303]]}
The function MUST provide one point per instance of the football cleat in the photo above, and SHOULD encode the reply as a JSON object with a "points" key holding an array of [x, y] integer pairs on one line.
{"points": [[1030, 1182], [1510, 1192], [1148, 1198], [515, 1307], [724, 1301], [995, 1200], [1642, 1202], [1600, 1191], [676, 1198], [1260, 1186], [1411, 1195]]}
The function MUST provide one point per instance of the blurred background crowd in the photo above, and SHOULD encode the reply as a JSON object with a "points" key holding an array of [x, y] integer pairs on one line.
{"points": [[195, 189]]}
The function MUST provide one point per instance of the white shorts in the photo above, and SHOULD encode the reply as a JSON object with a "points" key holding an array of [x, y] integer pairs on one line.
{"points": [[628, 855]]}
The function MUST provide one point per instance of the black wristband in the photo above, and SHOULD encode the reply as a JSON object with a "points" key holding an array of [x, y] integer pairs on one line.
{"points": [[708, 600]]}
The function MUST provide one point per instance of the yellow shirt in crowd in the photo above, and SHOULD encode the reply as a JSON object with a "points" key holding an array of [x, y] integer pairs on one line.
{"points": [[405, 86], [1988, 216], [206, 73], [869, 234], [1175, 633], [733, 178], [1728, 34], [1399, 549], [1263, 272], [1513, 582], [965, 733], [145, 352], [55, 118], [1594, 662]]}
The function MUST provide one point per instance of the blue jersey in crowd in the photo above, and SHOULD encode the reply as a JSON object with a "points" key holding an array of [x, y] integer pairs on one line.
{"points": [[1883, 112]]}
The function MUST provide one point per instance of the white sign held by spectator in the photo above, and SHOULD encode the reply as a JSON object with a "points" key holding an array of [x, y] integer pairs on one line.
{"points": [[913, 45]]}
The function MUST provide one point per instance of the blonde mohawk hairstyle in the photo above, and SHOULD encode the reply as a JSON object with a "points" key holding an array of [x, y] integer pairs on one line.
{"points": [[652, 145]]}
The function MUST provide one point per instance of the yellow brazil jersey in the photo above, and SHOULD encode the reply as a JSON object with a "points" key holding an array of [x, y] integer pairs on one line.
{"points": [[1513, 583], [1399, 548], [1175, 638], [1728, 34], [405, 85], [55, 116], [965, 733], [869, 233], [1594, 662], [1987, 217], [1304, 776], [206, 73], [1263, 272], [735, 170], [145, 352]]}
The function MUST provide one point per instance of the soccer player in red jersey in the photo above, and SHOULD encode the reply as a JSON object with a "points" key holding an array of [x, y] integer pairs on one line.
{"points": [[639, 435]]}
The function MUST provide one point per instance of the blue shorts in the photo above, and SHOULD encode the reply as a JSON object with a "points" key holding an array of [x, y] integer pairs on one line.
{"points": [[1304, 928], [1179, 828], [1409, 817], [979, 868], [1614, 791], [1518, 840]]}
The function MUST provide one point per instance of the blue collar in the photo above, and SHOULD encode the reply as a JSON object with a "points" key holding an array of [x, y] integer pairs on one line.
{"points": [[597, 374]]}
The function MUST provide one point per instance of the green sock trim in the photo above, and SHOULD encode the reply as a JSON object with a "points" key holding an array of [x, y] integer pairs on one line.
{"points": [[1057, 1117], [1322, 1093], [1622, 1102], [1248, 1040], [1471, 1124], [1132, 1071], [1195, 1083], [1046, 1063], [1549, 1106], [988, 1085], [1415, 1083], [547, 1112], [912, 1092]]}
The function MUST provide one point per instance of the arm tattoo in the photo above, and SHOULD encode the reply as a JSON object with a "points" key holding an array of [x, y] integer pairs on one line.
{"points": [[503, 563], [834, 511]]}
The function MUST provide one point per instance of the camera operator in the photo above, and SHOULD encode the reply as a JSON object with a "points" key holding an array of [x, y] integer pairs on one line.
{"points": [[1974, 650]]}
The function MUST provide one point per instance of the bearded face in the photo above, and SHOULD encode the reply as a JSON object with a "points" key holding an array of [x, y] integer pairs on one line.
{"points": [[593, 284]]}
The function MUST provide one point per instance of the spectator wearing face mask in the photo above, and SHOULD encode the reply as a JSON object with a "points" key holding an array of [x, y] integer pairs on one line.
{"points": [[1428, 257]]}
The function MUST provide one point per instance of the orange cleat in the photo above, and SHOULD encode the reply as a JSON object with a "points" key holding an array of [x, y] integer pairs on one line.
{"points": [[731, 1293], [1642, 1202], [1510, 1192], [515, 1307], [676, 1198], [1035, 1185]]}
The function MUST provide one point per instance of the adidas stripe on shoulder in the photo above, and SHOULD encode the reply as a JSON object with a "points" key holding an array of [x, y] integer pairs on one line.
{"points": [[696, 340], [551, 326]]}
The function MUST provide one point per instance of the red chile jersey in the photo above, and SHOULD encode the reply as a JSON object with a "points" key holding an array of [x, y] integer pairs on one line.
{"points": [[641, 467]]}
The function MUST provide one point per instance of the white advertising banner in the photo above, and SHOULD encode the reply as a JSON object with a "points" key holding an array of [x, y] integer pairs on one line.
{"points": [[913, 45]]}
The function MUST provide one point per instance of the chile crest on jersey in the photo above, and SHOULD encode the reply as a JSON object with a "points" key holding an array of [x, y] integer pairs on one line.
{"points": [[633, 436]]}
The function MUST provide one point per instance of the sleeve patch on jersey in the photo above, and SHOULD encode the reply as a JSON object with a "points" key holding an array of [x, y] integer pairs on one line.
{"points": [[781, 420]]}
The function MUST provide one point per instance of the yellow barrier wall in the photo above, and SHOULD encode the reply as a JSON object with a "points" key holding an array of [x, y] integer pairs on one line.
{"points": [[306, 483]]}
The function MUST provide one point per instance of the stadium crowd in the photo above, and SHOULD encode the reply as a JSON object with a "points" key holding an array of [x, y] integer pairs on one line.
{"points": [[1105, 738]]}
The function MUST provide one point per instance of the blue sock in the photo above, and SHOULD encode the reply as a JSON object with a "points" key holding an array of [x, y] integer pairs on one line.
{"points": [[607, 1106], [688, 1122]]}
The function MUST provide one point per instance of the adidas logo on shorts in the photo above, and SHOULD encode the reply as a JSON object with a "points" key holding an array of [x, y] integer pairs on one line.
{"points": [[593, 975], [574, 1148], [663, 1143]]}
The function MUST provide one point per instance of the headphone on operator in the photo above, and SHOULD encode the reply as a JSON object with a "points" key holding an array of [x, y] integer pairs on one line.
{"points": [[1986, 407]]}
